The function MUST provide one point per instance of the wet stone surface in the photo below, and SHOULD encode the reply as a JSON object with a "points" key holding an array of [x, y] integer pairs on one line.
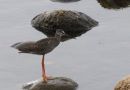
{"points": [[56, 83], [114, 4], [65, 1], [73, 23]]}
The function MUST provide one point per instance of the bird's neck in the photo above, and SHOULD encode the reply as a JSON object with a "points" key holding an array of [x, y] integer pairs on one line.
{"points": [[58, 37]]}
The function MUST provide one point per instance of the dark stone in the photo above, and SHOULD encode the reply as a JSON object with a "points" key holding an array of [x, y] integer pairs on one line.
{"points": [[114, 4], [56, 83], [65, 1], [73, 23]]}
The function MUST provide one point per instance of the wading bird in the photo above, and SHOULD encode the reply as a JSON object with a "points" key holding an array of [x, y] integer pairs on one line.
{"points": [[41, 47]]}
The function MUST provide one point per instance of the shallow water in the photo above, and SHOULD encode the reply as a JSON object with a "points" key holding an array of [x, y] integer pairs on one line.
{"points": [[96, 60]]}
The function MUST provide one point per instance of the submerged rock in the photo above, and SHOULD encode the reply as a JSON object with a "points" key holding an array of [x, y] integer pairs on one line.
{"points": [[114, 4], [73, 23], [65, 1], [57, 83], [123, 84]]}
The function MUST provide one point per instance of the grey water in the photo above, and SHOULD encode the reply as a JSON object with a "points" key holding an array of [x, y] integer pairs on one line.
{"points": [[96, 60]]}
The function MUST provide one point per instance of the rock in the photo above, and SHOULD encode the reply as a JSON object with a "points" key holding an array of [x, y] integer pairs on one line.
{"points": [[123, 84], [114, 4], [65, 1], [56, 83], [73, 23]]}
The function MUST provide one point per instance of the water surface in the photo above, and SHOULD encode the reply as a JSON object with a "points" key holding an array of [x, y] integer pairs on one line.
{"points": [[96, 60]]}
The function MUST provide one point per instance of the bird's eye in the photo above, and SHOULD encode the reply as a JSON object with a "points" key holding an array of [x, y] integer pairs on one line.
{"points": [[63, 32]]}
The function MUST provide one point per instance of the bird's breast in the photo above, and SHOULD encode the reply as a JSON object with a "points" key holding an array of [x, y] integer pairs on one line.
{"points": [[51, 46]]}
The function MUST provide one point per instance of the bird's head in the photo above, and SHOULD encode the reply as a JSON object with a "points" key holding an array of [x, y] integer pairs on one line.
{"points": [[60, 32]]}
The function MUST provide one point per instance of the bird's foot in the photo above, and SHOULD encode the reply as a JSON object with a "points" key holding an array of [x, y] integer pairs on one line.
{"points": [[46, 78]]}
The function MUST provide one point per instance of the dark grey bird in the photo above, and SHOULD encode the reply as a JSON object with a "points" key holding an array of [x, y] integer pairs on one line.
{"points": [[73, 23], [41, 47]]}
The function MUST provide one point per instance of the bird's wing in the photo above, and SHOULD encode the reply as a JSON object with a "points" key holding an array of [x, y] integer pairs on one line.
{"points": [[43, 43]]}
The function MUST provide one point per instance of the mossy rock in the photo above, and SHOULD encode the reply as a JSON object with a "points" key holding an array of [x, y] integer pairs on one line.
{"points": [[114, 4], [65, 1], [73, 23], [56, 83]]}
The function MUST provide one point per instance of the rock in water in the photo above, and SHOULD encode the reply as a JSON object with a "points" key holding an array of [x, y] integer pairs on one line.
{"points": [[123, 84], [114, 4], [73, 23], [65, 1], [57, 83]]}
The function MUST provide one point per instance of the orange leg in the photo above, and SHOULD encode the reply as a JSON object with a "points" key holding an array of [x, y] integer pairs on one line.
{"points": [[43, 70]]}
